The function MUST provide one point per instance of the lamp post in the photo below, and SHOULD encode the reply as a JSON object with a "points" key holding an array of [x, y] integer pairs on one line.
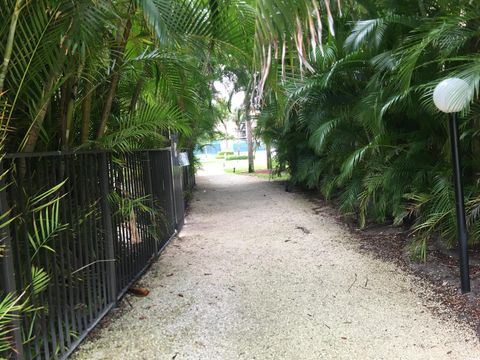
{"points": [[451, 96]]}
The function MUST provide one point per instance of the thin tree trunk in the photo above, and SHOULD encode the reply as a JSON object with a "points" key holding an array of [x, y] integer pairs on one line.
{"points": [[251, 166], [69, 116], [269, 156], [227, 144], [33, 133], [9, 45], [62, 118], [31, 136], [71, 104], [248, 127], [136, 94], [86, 110], [114, 81], [108, 104]]}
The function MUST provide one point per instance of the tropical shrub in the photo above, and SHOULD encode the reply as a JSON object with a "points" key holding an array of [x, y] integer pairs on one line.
{"points": [[350, 112]]}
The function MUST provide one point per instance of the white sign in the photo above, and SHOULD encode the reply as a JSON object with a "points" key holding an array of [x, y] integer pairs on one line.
{"points": [[183, 159]]}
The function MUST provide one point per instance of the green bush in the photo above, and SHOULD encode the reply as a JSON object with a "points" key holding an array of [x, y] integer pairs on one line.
{"points": [[222, 154], [237, 157], [363, 129]]}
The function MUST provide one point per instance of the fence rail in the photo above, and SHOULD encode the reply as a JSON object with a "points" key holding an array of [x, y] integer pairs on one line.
{"points": [[88, 224]]}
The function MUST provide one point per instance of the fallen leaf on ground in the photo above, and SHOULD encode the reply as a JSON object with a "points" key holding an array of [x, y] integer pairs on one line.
{"points": [[139, 291]]}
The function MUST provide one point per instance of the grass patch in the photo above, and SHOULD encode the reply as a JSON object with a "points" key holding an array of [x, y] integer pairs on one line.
{"points": [[261, 173]]}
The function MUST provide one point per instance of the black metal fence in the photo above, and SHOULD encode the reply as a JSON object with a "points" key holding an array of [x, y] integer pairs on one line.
{"points": [[91, 223], [188, 177]]}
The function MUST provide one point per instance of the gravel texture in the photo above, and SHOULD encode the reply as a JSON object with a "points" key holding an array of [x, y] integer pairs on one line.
{"points": [[256, 274]]}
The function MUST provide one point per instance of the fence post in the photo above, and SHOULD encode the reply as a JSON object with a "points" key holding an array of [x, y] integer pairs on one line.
{"points": [[167, 178], [173, 163], [149, 190], [107, 225], [7, 277]]}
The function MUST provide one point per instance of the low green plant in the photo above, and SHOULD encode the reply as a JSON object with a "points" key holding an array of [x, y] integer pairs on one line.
{"points": [[237, 157], [417, 249], [222, 154]]}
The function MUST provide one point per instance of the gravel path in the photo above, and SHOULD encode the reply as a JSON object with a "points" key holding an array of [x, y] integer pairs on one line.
{"points": [[255, 274]]}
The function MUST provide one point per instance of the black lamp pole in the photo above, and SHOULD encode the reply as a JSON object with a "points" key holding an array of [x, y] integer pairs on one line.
{"points": [[460, 206]]}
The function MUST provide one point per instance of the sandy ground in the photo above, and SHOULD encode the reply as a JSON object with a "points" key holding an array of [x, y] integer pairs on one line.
{"points": [[255, 274]]}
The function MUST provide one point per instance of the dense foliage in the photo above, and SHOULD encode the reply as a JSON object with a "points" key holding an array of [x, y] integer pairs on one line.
{"points": [[115, 74], [106, 74], [350, 112], [341, 89]]}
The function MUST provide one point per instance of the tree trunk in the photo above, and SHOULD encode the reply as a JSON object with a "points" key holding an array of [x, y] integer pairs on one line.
{"points": [[107, 108], [136, 94], [114, 80], [69, 116], [248, 128], [9, 46], [86, 110], [71, 104], [269, 156], [227, 145], [138, 90], [62, 118], [31, 136], [30, 139], [248, 122], [33, 133]]}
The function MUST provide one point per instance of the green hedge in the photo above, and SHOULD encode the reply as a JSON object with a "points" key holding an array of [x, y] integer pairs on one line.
{"points": [[237, 157], [222, 154]]}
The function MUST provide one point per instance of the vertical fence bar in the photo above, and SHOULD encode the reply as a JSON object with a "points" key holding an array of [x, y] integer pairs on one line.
{"points": [[171, 185], [7, 276], [173, 157], [132, 256], [162, 194], [107, 225], [166, 171], [70, 255]]}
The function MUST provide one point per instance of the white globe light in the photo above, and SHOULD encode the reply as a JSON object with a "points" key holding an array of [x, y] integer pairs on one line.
{"points": [[451, 95]]}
